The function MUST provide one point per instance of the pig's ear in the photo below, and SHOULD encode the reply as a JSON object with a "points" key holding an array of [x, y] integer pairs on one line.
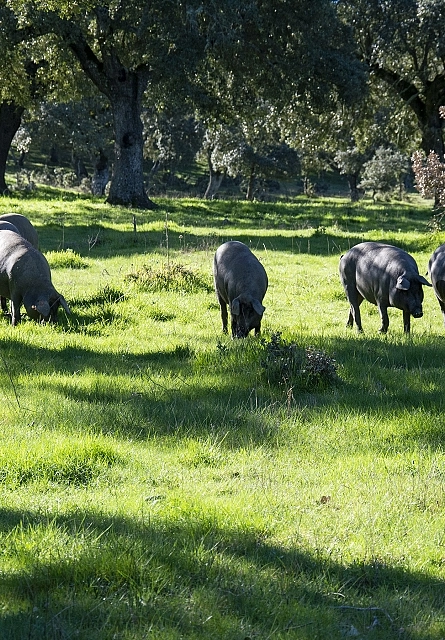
{"points": [[234, 307], [403, 283], [422, 280], [258, 307]]}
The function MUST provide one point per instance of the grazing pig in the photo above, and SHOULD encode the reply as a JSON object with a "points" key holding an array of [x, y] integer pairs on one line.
{"points": [[25, 277], [240, 282], [384, 275], [21, 225], [24, 227], [436, 269]]}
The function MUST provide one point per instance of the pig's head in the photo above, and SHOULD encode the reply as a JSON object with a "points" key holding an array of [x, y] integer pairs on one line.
{"points": [[247, 313], [43, 307], [408, 294]]}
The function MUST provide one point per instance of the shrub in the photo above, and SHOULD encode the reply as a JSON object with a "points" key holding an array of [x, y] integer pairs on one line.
{"points": [[171, 277], [68, 259], [287, 364]]}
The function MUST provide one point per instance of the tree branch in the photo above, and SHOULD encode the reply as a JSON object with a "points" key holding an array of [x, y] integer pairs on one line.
{"points": [[406, 90]]}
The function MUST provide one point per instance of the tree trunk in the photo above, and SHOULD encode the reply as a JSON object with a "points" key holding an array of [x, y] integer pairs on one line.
{"points": [[101, 175], [10, 119], [125, 89], [127, 183], [353, 188], [215, 178], [251, 184], [431, 123]]}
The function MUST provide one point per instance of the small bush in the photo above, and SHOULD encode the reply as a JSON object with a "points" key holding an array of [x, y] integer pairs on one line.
{"points": [[68, 259], [171, 277], [287, 364]]}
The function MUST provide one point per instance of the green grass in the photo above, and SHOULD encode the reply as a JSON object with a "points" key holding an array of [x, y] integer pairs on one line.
{"points": [[158, 479]]}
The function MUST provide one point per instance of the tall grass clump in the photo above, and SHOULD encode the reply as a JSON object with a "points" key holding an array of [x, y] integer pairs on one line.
{"points": [[170, 277], [67, 259]]}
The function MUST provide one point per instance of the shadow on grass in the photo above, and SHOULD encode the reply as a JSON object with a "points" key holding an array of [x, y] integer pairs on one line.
{"points": [[191, 576], [138, 395], [125, 243], [86, 226], [164, 392]]}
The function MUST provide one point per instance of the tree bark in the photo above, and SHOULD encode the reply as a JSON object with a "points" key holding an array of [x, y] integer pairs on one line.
{"points": [[127, 184], [426, 109], [353, 188], [101, 175], [215, 178], [10, 120], [251, 184]]}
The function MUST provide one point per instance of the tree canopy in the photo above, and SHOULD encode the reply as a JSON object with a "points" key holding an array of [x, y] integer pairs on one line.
{"points": [[403, 44], [206, 54]]}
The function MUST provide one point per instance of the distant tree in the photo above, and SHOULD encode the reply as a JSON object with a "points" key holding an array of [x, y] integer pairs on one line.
{"points": [[348, 136], [251, 150], [82, 129], [384, 173], [263, 162], [216, 141], [350, 163], [171, 140]]}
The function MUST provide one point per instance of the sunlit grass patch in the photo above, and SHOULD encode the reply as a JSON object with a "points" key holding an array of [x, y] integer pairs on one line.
{"points": [[160, 316], [170, 277], [104, 295], [67, 259], [70, 462]]}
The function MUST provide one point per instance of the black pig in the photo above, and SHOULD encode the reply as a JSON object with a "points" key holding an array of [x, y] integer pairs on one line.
{"points": [[436, 269], [240, 282], [385, 276]]}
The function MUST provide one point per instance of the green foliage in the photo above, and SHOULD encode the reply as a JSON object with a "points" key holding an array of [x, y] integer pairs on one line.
{"points": [[384, 172], [170, 277], [285, 363], [403, 49], [67, 259]]}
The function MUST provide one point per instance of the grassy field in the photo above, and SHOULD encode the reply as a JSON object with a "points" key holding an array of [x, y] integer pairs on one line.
{"points": [[157, 480]]}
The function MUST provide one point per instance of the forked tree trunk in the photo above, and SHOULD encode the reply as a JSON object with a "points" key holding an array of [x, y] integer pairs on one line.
{"points": [[10, 120], [215, 180], [125, 89]]}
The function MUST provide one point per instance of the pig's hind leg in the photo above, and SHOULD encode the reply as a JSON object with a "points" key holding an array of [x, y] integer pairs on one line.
{"points": [[355, 299], [224, 315]]}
